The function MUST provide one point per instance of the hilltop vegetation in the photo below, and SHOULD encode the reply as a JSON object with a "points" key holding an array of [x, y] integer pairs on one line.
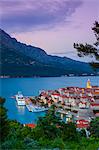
{"points": [[49, 133]]}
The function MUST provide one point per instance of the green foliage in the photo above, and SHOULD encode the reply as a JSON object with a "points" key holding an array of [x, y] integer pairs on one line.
{"points": [[4, 124], [94, 127], [31, 143], [69, 132], [51, 127], [19, 138], [50, 133], [83, 133], [47, 126], [90, 50], [58, 143], [88, 144], [14, 143], [85, 50], [44, 142], [96, 31]]}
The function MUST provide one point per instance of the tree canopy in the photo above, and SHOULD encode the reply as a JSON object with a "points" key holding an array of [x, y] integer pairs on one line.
{"points": [[90, 50], [94, 127], [4, 123], [49, 133]]}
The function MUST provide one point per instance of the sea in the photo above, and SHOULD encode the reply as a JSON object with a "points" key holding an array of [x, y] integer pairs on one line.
{"points": [[31, 87]]}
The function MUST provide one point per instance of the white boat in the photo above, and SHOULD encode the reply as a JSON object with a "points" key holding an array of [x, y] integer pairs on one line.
{"points": [[29, 107], [20, 99], [38, 109], [33, 108]]}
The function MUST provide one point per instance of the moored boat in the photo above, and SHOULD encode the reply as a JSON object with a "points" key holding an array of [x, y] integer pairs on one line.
{"points": [[33, 108], [39, 109], [20, 99]]}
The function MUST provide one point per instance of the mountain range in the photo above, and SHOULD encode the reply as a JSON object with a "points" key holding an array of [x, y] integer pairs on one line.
{"points": [[21, 60]]}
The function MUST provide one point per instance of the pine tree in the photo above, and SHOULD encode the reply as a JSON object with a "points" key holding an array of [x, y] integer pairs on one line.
{"points": [[90, 50], [4, 123]]}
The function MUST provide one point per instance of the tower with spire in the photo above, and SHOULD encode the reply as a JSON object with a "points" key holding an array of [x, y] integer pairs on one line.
{"points": [[89, 84]]}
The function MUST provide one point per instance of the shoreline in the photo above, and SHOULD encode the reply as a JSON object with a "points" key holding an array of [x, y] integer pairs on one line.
{"points": [[6, 77]]}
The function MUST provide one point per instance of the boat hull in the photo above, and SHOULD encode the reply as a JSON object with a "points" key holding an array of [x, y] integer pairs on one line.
{"points": [[35, 109], [21, 103], [20, 100]]}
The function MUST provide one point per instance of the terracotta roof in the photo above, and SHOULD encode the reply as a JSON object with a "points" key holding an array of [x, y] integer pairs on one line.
{"points": [[31, 125], [94, 104], [82, 123], [96, 93], [56, 94], [97, 114], [84, 96]]}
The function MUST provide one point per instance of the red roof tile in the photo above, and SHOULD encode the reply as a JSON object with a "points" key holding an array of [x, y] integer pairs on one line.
{"points": [[94, 104], [82, 123], [31, 125]]}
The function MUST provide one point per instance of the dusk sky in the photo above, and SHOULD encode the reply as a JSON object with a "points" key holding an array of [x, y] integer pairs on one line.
{"points": [[53, 25]]}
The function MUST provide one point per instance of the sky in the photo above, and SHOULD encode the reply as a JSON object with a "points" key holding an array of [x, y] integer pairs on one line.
{"points": [[53, 25]]}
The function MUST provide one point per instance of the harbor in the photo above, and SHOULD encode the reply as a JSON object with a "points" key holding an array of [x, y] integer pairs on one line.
{"points": [[28, 102], [31, 87], [72, 103]]}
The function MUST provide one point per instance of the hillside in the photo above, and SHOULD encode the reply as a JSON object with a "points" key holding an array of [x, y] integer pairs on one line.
{"points": [[18, 59]]}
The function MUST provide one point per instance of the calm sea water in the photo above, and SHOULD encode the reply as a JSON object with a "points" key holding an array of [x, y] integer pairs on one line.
{"points": [[31, 87]]}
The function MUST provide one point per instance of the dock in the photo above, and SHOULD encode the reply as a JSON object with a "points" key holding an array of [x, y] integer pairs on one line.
{"points": [[29, 107]]}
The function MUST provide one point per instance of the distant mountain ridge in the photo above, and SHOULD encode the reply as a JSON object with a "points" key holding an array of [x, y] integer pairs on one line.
{"points": [[18, 59]]}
